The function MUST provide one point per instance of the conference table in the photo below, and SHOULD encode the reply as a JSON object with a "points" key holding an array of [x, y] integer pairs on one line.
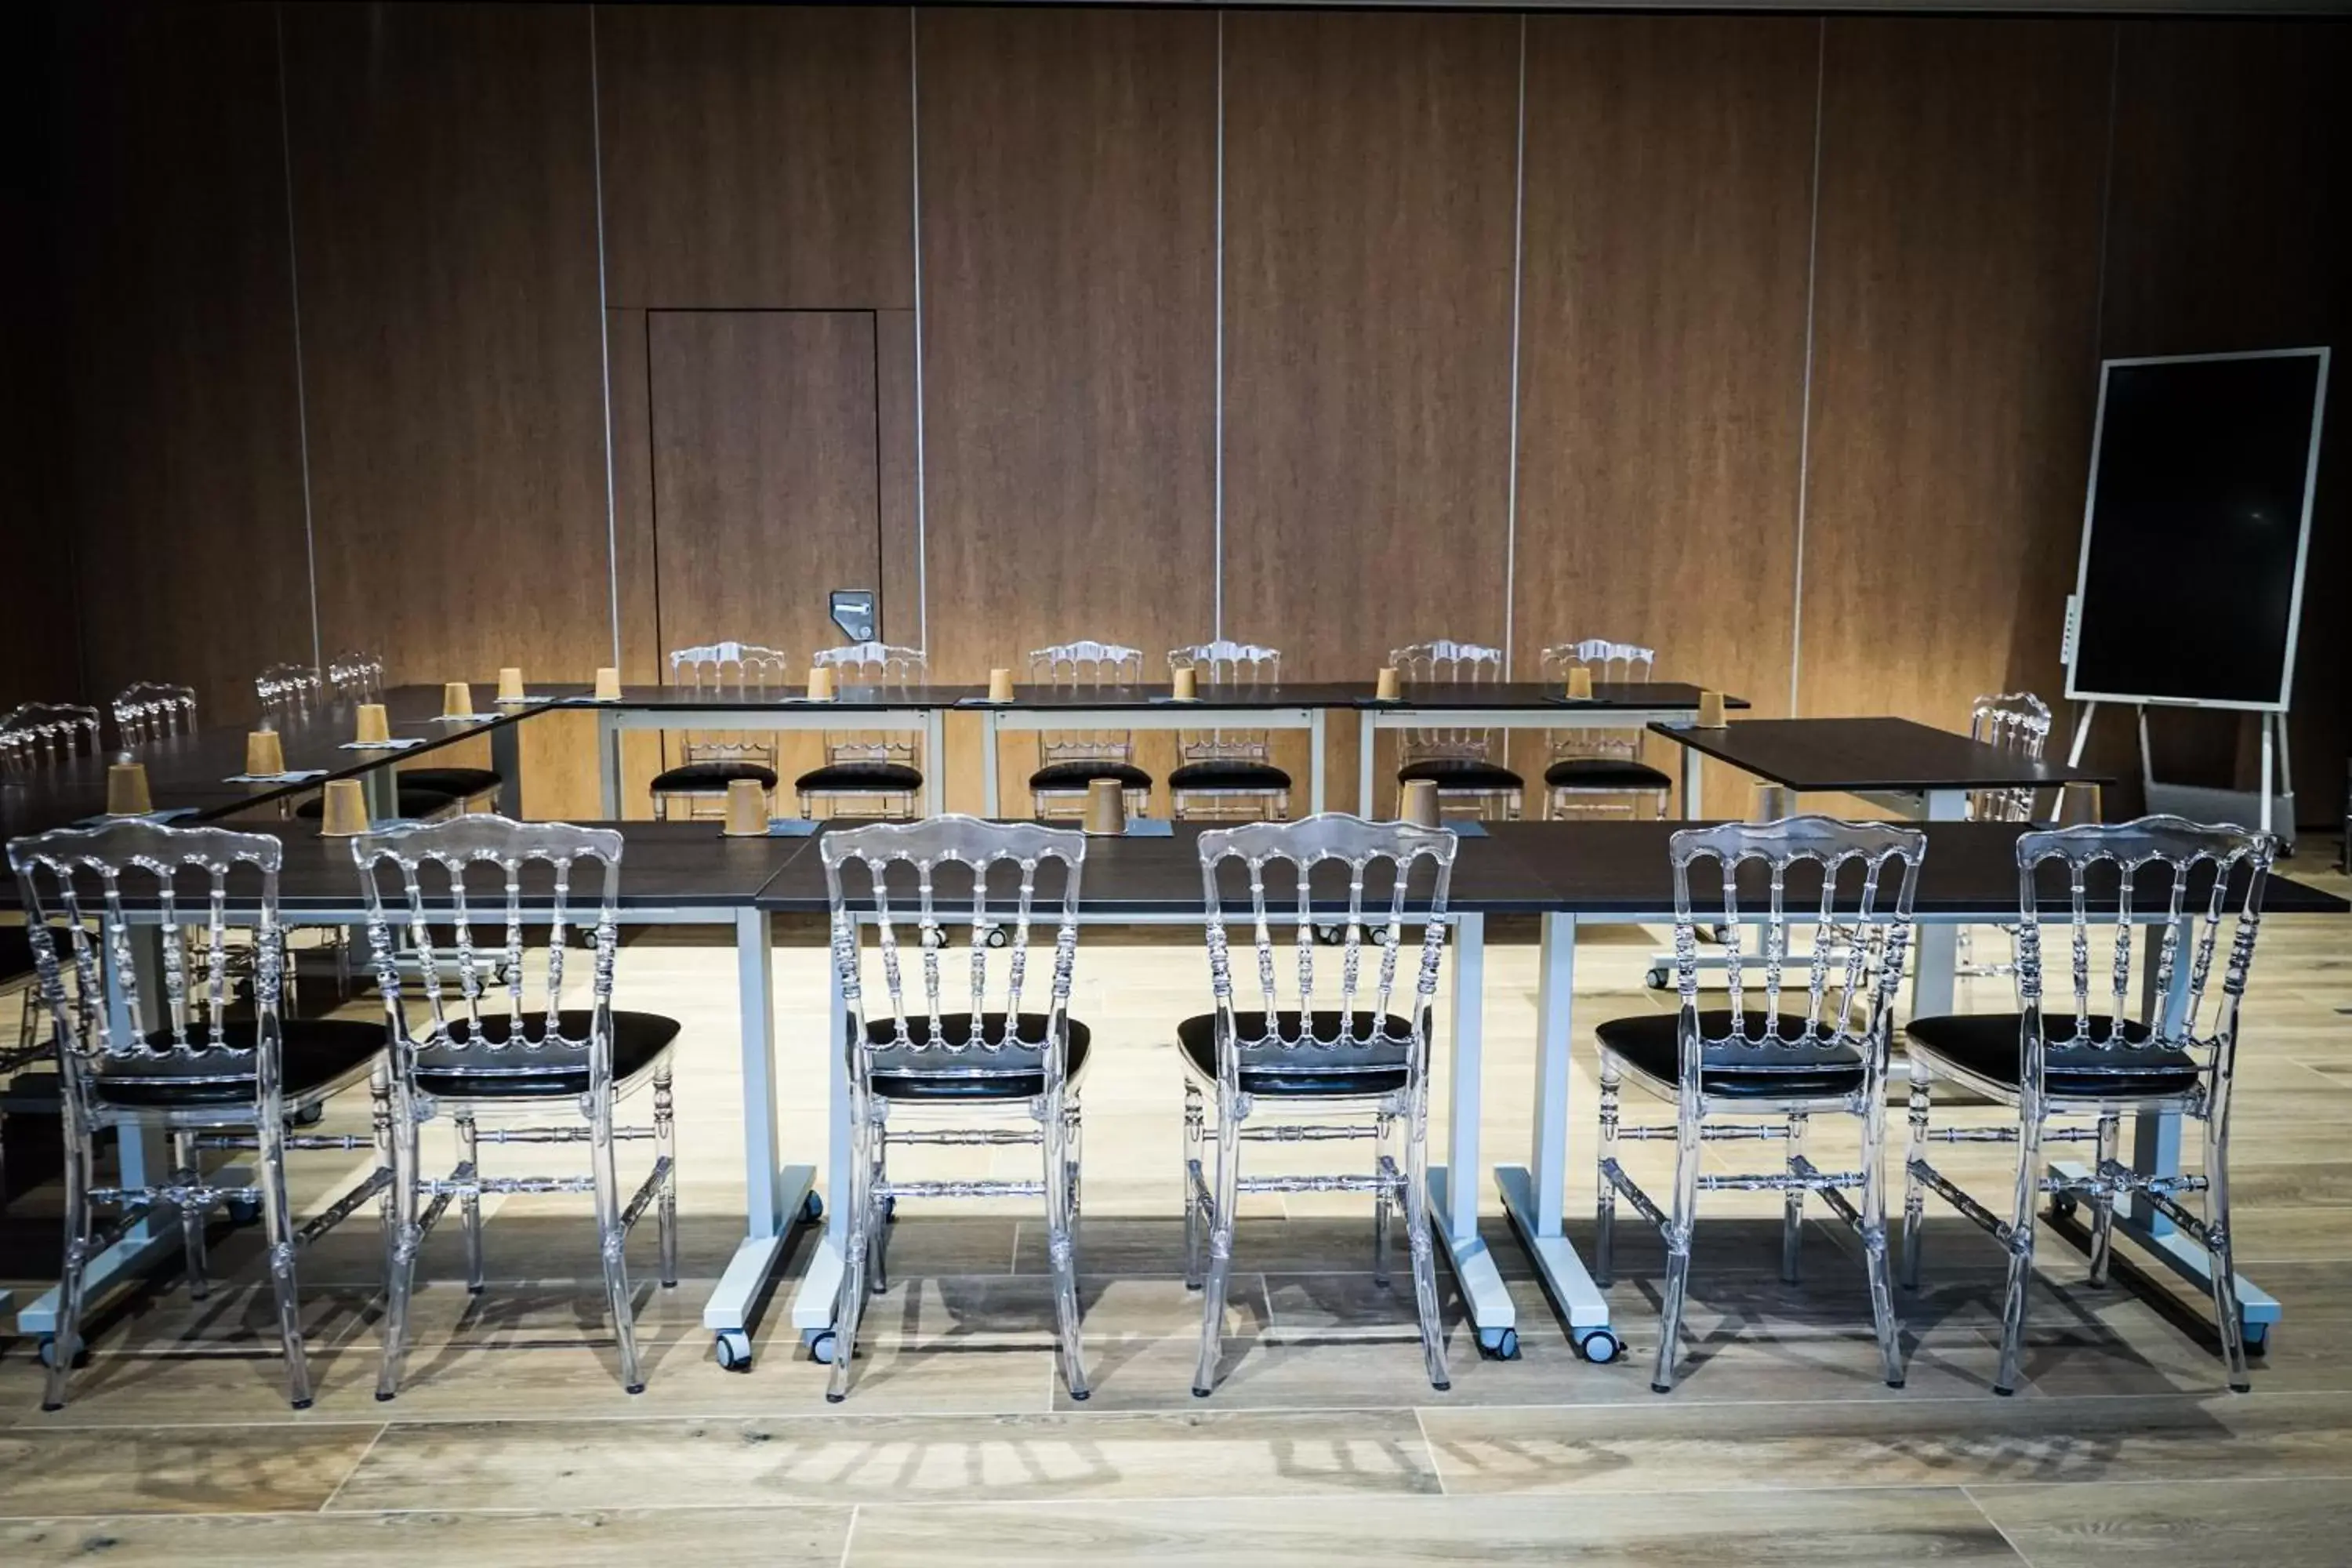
{"points": [[1570, 875]]}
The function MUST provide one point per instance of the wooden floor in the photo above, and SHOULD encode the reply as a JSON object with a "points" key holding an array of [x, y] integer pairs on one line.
{"points": [[513, 1442]]}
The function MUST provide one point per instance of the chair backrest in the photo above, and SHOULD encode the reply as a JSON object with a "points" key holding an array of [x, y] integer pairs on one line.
{"points": [[1447, 661], [289, 688], [1231, 664], [47, 731], [1393, 870], [2015, 722], [873, 665], [81, 886], [1861, 933], [1082, 666], [756, 674], [355, 677], [867, 873], [2197, 880], [153, 710], [428, 866], [1611, 664]]}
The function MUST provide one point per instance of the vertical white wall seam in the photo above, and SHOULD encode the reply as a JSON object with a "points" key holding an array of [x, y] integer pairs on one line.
{"points": [[1519, 268], [1805, 404], [604, 340], [1217, 621], [915, 187], [294, 299]]}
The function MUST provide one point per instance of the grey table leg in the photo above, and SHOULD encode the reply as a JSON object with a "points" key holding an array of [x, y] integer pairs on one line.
{"points": [[608, 762]]}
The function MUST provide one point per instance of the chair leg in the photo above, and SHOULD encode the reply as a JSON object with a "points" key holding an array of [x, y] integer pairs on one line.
{"points": [[1223, 1204], [193, 1217], [470, 1161], [1604, 1203], [2020, 1241], [66, 1343], [279, 1221], [1193, 1178], [1422, 1248], [2218, 1254], [1384, 1199], [665, 1148], [851, 1303], [1062, 1248], [1792, 1203], [613, 1242], [404, 1239], [1915, 1191], [877, 1181], [2102, 1199], [1874, 1236], [1678, 1240]]}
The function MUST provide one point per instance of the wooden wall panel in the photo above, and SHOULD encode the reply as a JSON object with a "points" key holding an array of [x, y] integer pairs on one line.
{"points": [[39, 645], [756, 155], [2231, 228], [179, 336], [1669, 205], [1956, 291], [444, 192], [1369, 196], [1068, 238]]}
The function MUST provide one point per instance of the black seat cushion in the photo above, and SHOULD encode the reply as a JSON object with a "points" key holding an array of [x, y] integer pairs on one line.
{"points": [[314, 1054], [474, 1073], [1605, 774], [710, 778], [463, 782], [1375, 1069], [1079, 774], [413, 803], [1648, 1044], [1227, 773], [860, 778], [1991, 1044], [1461, 773], [1007, 1073]]}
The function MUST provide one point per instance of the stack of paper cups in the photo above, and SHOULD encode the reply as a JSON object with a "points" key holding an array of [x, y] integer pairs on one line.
{"points": [[608, 684], [126, 790], [1385, 689], [264, 754], [1188, 687], [1419, 805], [1770, 803], [747, 808], [1579, 683], [510, 683], [1710, 710], [1000, 685], [456, 700], [372, 727], [343, 812]]}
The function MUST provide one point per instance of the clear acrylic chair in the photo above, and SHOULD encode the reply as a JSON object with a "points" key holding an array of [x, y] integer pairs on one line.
{"points": [[1070, 760], [1595, 772], [1359, 1070], [558, 1073], [148, 710], [40, 732], [711, 760], [868, 773], [2016, 721], [1779, 1058], [353, 676], [192, 1053], [928, 1076], [1227, 775], [2183, 885], [1465, 764], [288, 692]]}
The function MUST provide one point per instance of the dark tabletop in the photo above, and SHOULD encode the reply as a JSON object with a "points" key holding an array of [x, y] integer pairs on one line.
{"points": [[710, 698], [1970, 869], [1541, 697], [1526, 696], [192, 771], [1844, 755]]}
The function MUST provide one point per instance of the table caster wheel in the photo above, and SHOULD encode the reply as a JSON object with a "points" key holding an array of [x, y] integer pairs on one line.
{"points": [[1331, 936], [733, 1348], [820, 1345], [47, 1352], [998, 936], [2258, 1338], [2062, 1206], [245, 1211], [1499, 1345], [1600, 1347], [1655, 977], [812, 1208]]}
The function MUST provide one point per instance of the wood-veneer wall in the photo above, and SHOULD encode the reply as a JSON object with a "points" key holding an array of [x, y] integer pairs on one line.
{"points": [[1770, 340]]}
